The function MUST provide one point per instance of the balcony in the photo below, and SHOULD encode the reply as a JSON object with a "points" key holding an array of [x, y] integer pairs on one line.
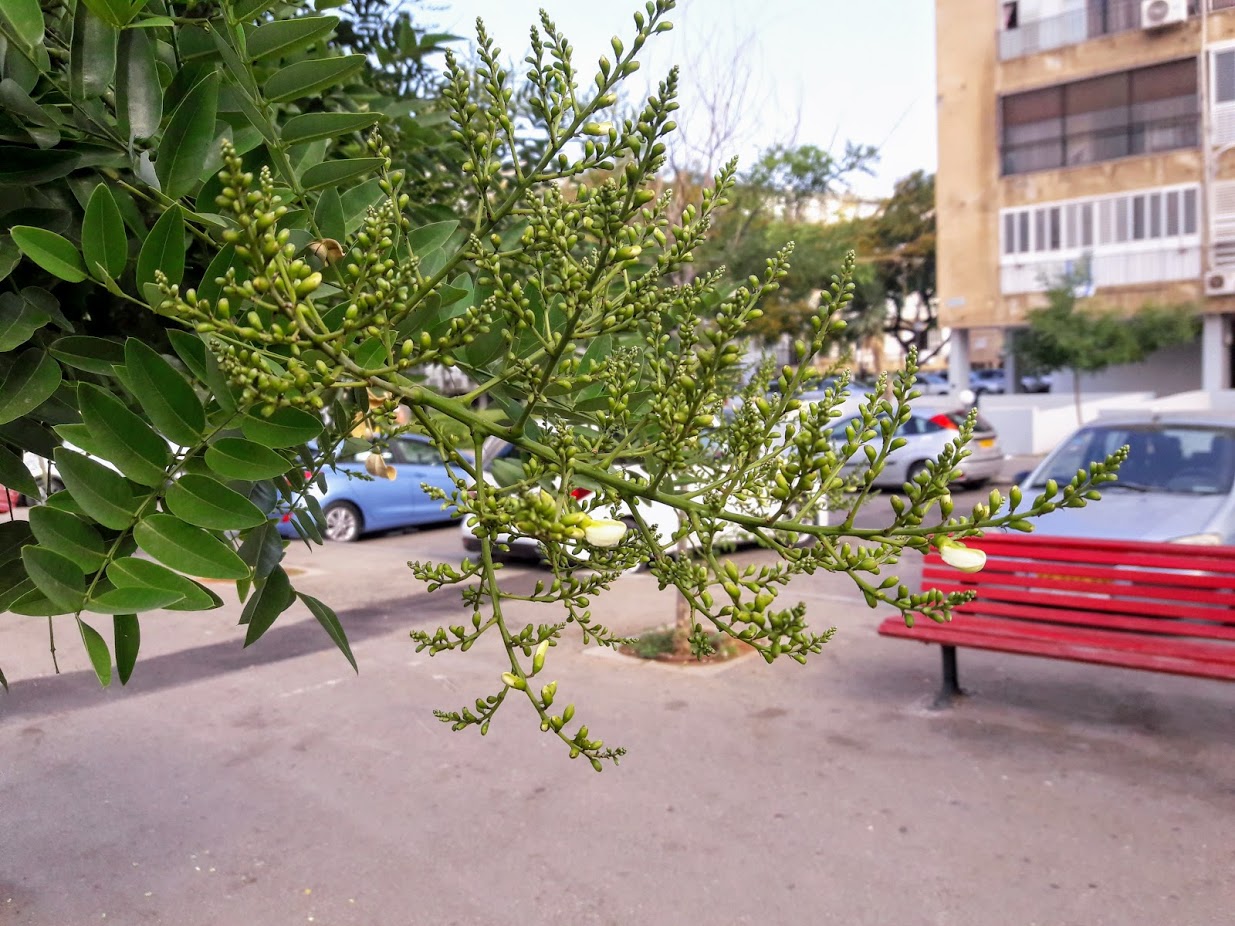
{"points": [[1094, 20]]}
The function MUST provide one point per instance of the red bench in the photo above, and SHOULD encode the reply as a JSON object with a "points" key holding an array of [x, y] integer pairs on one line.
{"points": [[1163, 607]]}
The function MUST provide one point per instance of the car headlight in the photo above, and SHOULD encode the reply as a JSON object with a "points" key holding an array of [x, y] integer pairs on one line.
{"points": [[1205, 540]]}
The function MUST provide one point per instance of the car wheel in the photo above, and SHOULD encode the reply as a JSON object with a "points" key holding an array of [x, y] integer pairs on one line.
{"points": [[343, 522], [914, 468]]}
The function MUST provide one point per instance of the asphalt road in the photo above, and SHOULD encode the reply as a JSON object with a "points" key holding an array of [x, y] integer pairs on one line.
{"points": [[274, 786]]}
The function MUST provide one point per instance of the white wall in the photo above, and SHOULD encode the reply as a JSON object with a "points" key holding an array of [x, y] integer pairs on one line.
{"points": [[1037, 424], [1172, 370]]}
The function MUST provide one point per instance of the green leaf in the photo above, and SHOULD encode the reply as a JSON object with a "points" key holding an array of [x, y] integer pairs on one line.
{"points": [[13, 536], [19, 320], [10, 256], [163, 249], [429, 238], [262, 549], [208, 503], [30, 382], [122, 438], [94, 355], [34, 603], [14, 475], [96, 647], [128, 636], [330, 621], [236, 458], [69, 536], [287, 427], [52, 252], [56, 576], [187, 139], [312, 126], [139, 95], [310, 78], [26, 18], [286, 35], [329, 215], [358, 199], [273, 596], [117, 12], [190, 349], [188, 549], [92, 55], [103, 239], [244, 10], [165, 395], [211, 286], [131, 600], [332, 173], [4, 683], [102, 493], [34, 120], [133, 572]]}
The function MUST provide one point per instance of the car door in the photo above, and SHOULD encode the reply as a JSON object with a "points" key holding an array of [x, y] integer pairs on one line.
{"points": [[418, 464]]}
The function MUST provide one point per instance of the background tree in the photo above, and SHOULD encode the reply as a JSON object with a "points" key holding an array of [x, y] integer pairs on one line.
{"points": [[1081, 336], [899, 244]]}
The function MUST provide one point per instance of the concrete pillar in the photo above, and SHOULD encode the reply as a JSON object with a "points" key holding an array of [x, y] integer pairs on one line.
{"points": [[1216, 353], [1011, 377], [958, 359]]}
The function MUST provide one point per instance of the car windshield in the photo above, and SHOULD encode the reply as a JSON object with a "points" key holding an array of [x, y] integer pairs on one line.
{"points": [[1191, 459]]}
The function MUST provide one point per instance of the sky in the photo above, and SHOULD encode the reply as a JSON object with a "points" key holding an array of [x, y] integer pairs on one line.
{"points": [[821, 71]]}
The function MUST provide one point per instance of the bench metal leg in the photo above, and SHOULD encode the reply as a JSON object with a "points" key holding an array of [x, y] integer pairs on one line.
{"points": [[951, 689]]}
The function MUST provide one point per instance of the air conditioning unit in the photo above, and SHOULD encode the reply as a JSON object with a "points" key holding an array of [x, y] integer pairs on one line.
{"points": [[1158, 13], [1220, 283]]}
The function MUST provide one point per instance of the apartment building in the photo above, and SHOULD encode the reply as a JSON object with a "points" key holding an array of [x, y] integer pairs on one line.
{"points": [[1087, 132]]}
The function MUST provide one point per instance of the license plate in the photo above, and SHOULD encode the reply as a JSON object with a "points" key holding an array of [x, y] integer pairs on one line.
{"points": [[987, 443]]}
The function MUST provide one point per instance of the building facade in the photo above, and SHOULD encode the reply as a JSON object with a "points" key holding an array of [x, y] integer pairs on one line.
{"points": [[1086, 133]]}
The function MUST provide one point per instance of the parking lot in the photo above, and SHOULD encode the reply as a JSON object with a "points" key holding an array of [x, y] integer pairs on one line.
{"points": [[274, 786]]}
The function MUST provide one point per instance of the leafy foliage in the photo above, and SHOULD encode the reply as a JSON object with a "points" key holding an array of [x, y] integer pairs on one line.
{"points": [[306, 288], [1086, 338], [899, 243]]}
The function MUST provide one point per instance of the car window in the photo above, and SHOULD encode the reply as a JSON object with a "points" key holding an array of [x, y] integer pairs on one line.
{"points": [[1184, 458], [418, 453]]}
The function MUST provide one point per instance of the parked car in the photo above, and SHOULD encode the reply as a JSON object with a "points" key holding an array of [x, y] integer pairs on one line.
{"points": [[981, 381], [857, 388], [660, 517], [1176, 485], [926, 433], [1036, 382], [355, 506], [933, 384]]}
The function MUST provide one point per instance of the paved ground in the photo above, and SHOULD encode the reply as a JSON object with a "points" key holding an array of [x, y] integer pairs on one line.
{"points": [[272, 786]]}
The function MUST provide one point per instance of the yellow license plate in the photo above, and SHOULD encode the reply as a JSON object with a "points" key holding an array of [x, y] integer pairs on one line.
{"points": [[987, 444]]}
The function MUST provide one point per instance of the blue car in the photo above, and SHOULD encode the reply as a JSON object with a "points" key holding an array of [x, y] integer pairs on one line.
{"points": [[355, 506]]}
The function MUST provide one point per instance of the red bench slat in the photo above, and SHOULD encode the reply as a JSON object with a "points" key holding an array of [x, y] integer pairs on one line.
{"points": [[1150, 617], [1156, 606], [1077, 652]]}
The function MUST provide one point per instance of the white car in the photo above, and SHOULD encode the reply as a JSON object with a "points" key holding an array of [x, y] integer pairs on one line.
{"points": [[933, 384], [661, 518]]}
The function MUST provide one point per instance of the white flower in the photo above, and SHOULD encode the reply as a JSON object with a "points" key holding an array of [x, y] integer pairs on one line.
{"points": [[603, 532], [959, 556]]}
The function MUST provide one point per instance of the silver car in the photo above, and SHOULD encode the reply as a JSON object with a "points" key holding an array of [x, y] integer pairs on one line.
{"points": [[1176, 485], [926, 433]]}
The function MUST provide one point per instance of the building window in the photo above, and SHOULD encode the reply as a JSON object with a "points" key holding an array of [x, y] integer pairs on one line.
{"points": [[1102, 118], [1121, 220]]}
